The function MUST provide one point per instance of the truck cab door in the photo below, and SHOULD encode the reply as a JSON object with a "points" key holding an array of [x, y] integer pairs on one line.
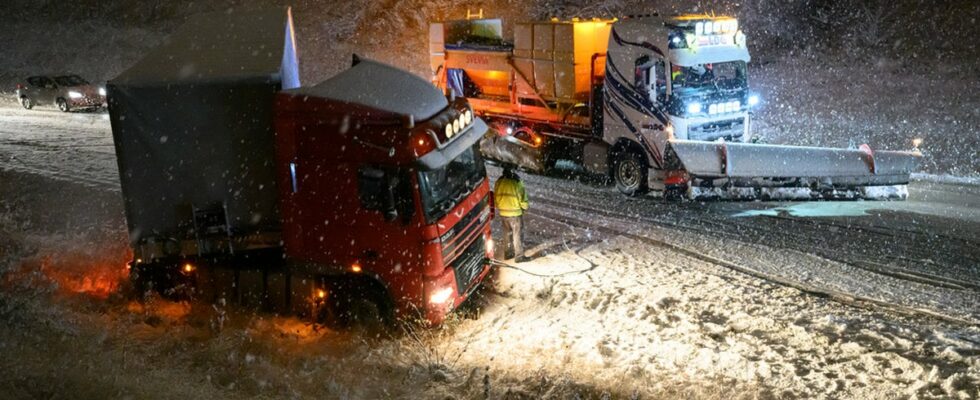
{"points": [[651, 83]]}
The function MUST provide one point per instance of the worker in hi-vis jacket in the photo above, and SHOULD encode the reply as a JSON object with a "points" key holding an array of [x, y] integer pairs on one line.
{"points": [[511, 202]]}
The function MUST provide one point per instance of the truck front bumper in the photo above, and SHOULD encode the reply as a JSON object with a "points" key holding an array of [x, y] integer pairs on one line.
{"points": [[442, 296], [732, 127]]}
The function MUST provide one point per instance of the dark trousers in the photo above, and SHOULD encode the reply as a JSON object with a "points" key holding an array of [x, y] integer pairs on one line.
{"points": [[513, 236]]}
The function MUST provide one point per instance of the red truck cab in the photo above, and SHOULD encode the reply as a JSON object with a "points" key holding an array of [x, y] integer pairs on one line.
{"points": [[383, 191]]}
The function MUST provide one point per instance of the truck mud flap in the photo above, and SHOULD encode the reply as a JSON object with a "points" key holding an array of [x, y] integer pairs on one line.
{"points": [[763, 165]]}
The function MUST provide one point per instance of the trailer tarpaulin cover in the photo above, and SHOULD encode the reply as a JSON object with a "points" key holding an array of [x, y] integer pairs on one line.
{"points": [[192, 124], [374, 89]]}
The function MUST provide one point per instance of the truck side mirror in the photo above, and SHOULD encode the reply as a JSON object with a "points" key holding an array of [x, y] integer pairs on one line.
{"points": [[390, 203], [655, 83]]}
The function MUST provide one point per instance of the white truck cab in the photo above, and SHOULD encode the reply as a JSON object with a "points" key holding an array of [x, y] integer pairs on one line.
{"points": [[692, 68], [708, 88]]}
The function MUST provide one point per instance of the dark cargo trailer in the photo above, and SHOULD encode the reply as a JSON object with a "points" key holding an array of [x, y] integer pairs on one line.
{"points": [[192, 126]]}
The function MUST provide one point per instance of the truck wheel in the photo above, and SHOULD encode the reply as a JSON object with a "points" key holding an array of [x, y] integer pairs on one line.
{"points": [[630, 174], [549, 162], [26, 102], [366, 315], [350, 312], [63, 105]]}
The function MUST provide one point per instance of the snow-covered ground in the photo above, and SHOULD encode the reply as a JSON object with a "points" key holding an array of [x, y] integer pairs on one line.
{"points": [[625, 297]]}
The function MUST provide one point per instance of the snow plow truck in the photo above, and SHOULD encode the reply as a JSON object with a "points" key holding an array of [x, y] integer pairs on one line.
{"points": [[658, 104], [362, 196]]}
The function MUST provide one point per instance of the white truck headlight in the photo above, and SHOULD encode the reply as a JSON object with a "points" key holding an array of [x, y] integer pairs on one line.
{"points": [[753, 100], [101, 91], [441, 296], [74, 95], [694, 108]]}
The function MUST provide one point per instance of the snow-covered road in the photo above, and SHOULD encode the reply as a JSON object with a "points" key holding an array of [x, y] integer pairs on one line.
{"points": [[632, 296], [75, 146]]}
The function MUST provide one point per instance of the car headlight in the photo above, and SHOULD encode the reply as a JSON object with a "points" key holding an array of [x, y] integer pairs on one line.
{"points": [[101, 91], [694, 108], [753, 100], [74, 95]]}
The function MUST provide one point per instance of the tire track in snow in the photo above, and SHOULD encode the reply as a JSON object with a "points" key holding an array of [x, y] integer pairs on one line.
{"points": [[849, 299], [811, 237]]}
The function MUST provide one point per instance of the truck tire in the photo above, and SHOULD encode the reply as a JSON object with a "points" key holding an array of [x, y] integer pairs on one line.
{"points": [[354, 313], [63, 105], [26, 102], [366, 315], [630, 173], [549, 162]]}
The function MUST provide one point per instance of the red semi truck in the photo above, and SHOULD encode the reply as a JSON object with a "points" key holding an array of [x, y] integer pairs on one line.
{"points": [[364, 190], [381, 178]]}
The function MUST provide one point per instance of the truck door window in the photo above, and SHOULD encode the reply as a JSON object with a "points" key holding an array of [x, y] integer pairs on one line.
{"points": [[371, 188], [385, 190], [660, 84], [650, 79], [642, 76]]}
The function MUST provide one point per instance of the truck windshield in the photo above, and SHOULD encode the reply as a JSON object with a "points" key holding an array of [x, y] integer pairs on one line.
{"points": [[445, 187], [708, 77]]}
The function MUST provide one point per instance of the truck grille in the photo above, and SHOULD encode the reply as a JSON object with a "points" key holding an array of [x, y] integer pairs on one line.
{"points": [[469, 264], [728, 129], [463, 229]]}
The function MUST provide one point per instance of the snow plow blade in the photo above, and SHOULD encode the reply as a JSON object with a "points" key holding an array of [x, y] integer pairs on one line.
{"points": [[749, 171]]}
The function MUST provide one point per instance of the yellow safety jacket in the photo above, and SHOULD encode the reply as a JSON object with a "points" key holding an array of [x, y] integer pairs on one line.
{"points": [[509, 197]]}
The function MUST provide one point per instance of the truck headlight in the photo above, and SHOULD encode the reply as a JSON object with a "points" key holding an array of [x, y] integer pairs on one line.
{"points": [[694, 108], [101, 91], [753, 100], [74, 95], [441, 296]]}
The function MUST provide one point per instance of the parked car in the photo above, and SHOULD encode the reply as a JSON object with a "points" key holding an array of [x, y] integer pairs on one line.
{"points": [[67, 92]]}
